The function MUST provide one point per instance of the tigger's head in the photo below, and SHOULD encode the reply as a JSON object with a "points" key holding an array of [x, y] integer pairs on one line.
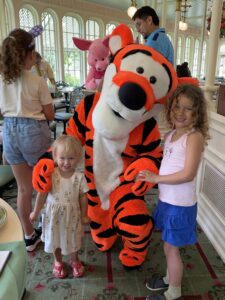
{"points": [[136, 83]]}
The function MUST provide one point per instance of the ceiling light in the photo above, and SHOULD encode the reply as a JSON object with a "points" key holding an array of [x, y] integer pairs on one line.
{"points": [[132, 9], [183, 26]]}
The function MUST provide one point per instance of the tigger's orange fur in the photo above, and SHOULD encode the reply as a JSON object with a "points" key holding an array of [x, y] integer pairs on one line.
{"points": [[121, 137]]}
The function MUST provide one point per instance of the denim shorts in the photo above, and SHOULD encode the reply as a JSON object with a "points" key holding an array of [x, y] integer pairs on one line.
{"points": [[178, 223], [25, 140]]}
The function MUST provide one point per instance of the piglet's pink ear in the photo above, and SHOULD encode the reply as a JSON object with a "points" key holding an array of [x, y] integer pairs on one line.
{"points": [[82, 44], [106, 41]]}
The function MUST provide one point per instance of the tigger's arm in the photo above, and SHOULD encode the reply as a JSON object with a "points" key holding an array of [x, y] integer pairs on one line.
{"points": [[76, 124], [149, 157]]}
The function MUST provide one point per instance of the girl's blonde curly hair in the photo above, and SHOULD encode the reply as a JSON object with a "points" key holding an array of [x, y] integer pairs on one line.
{"points": [[14, 50], [200, 116]]}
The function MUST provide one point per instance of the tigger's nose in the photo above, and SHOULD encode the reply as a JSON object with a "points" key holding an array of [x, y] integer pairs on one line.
{"points": [[132, 96]]}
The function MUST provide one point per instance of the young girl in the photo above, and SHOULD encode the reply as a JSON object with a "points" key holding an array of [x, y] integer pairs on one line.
{"points": [[176, 211], [66, 207], [26, 105]]}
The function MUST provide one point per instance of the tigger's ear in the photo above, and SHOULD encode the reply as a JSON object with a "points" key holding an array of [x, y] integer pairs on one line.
{"points": [[188, 80], [120, 37]]}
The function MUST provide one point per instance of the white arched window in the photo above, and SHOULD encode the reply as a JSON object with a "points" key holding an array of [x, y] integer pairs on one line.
{"points": [[195, 62], [202, 73], [26, 19], [49, 42], [187, 52], [179, 44], [92, 30], [72, 55]]}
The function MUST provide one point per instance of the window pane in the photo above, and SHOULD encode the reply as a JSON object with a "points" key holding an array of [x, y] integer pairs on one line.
{"points": [[49, 46], [187, 49], [72, 55], [195, 63], [203, 60], [179, 42], [92, 30], [26, 19]]}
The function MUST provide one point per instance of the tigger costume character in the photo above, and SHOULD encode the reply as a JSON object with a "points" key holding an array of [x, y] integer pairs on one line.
{"points": [[121, 138]]}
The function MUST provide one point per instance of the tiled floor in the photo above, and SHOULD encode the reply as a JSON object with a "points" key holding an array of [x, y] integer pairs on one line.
{"points": [[106, 279]]}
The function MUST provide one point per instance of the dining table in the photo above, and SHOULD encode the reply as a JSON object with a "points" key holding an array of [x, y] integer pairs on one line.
{"points": [[13, 276]]}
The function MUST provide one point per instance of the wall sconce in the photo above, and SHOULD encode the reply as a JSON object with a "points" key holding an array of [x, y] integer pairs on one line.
{"points": [[132, 9]]}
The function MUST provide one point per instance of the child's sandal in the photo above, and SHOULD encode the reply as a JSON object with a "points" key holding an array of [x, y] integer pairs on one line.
{"points": [[78, 269], [59, 270]]}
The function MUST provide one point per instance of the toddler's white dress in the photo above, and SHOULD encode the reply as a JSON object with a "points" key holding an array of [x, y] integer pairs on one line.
{"points": [[61, 222]]}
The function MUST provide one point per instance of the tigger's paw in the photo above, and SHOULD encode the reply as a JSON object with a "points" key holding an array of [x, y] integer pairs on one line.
{"points": [[131, 259]]}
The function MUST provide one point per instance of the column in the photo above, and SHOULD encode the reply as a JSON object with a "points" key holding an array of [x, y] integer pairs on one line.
{"points": [[176, 30], [3, 32], [163, 11], [201, 41], [154, 4], [213, 51]]}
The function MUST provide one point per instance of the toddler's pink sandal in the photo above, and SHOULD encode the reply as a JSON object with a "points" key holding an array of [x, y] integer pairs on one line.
{"points": [[59, 270], [78, 269]]}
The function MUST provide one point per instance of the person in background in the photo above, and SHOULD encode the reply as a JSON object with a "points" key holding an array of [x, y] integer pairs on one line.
{"points": [[66, 208], [42, 68], [26, 105], [147, 24], [183, 70], [176, 211]]}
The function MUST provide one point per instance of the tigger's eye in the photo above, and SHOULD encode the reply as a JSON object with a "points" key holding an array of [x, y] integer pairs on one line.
{"points": [[152, 79], [140, 70]]}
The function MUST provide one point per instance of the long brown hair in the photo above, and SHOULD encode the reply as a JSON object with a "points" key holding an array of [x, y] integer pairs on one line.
{"points": [[200, 116], [14, 50]]}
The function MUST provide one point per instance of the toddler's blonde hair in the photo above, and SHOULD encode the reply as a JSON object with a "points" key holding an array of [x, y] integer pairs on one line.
{"points": [[69, 143]]}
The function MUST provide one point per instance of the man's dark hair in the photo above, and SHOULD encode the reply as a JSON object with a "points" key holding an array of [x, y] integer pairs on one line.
{"points": [[144, 12]]}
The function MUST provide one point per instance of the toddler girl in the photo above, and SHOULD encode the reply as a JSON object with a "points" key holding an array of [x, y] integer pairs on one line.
{"points": [[66, 207]]}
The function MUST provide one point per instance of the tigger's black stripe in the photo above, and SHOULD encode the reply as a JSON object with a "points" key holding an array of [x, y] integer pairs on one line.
{"points": [[46, 155], [107, 233], [42, 178], [126, 155], [89, 143], [40, 187], [80, 126], [93, 193], [135, 220], [99, 245], [137, 51], [147, 148], [140, 186], [127, 197], [146, 239], [88, 104], [87, 155], [149, 125], [169, 74], [91, 203], [140, 249], [88, 179], [95, 225], [126, 234], [116, 214], [89, 169]]}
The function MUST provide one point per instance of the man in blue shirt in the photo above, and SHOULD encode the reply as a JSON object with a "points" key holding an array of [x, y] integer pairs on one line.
{"points": [[147, 23]]}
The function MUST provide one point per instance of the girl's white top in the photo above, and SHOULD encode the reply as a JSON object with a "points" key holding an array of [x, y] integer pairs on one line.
{"points": [[24, 97], [174, 155]]}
